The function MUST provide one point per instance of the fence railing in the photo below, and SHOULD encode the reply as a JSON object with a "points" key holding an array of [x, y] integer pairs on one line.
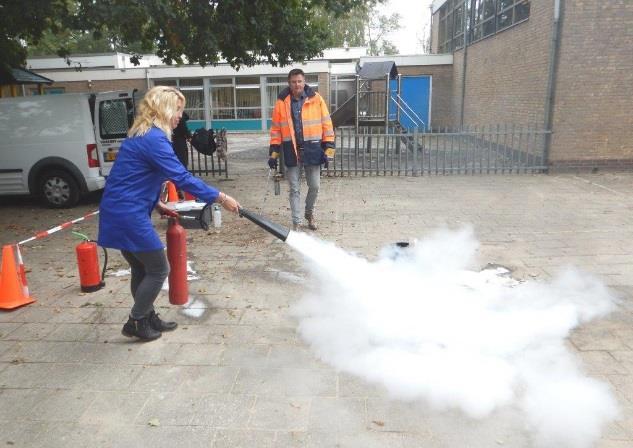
{"points": [[205, 165], [495, 149]]}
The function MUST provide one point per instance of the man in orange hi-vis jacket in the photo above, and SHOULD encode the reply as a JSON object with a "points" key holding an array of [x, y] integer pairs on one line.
{"points": [[302, 128]]}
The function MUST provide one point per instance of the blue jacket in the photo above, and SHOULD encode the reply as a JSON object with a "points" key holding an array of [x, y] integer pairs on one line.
{"points": [[133, 187]]}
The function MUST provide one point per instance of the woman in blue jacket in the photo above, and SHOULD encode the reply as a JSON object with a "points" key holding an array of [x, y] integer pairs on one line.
{"points": [[145, 160]]}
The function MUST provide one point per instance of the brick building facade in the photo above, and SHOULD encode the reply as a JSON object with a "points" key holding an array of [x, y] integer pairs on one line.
{"points": [[511, 56]]}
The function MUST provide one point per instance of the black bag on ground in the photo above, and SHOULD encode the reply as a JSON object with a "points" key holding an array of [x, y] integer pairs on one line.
{"points": [[204, 141]]}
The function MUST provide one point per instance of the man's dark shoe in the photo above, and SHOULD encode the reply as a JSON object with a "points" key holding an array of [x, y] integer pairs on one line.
{"points": [[140, 328], [312, 225], [160, 325]]}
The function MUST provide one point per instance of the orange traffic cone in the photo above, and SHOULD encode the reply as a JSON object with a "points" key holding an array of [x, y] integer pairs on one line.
{"points": [[172, 194], [189, 197], [12, 290]]}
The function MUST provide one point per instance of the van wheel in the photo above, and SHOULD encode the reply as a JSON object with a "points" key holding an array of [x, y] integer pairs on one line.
{"points": [[59, 189]]}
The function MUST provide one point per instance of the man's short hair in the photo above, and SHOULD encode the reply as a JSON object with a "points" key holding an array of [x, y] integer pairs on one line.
{"points": [[295, 72]]}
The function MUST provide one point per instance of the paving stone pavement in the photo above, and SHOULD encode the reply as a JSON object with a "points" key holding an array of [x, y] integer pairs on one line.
{"points": [[239, 375]]}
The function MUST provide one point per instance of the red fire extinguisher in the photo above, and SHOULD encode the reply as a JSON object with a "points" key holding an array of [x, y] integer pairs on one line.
{"points": [[177, 256], [88, 264]]}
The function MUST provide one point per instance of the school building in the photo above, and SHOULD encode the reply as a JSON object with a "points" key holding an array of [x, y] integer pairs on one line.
{"points": [[238, 100], [559, 65], [562, 67]]}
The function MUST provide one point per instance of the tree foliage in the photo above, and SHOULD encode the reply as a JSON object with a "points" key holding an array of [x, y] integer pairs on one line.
{"points": [[377, 30], [81, 42], [241, 32], [364, 26]]}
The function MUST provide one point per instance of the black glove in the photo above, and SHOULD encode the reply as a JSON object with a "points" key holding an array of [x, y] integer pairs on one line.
{"points": [[324, 160], [272, 163]]}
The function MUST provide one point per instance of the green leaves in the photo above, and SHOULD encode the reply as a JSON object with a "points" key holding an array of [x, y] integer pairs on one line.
{"points": [[243, 32]]}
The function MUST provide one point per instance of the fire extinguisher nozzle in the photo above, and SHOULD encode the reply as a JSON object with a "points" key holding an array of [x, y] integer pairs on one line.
{"points": [[275, 229]]}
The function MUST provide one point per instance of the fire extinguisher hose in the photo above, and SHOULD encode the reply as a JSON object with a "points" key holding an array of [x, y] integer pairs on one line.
{"points": [[105, 252]]}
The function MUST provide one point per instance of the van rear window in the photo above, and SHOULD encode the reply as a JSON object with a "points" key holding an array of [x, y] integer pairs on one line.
{"points": [[115, 118]]}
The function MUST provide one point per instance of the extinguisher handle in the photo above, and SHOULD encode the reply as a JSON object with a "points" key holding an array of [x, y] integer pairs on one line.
{"points": [[204, 224]]}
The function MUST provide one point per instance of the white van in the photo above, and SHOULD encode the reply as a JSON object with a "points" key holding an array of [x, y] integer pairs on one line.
{"points": [[61, 147]]}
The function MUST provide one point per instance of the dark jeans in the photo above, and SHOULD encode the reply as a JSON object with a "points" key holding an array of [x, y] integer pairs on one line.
{"points": [[149, 271]]}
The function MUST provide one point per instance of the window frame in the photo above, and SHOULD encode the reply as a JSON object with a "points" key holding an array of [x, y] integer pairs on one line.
{"points": [[481, 19]]}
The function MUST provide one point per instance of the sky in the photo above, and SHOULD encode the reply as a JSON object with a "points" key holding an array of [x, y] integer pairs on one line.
{"points": [[415, 18]]}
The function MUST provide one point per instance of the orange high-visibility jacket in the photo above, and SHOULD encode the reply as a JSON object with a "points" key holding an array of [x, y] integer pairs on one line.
{"points": [[318, 133]]}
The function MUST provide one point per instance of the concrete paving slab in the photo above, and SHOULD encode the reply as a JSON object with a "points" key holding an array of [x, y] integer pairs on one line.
{"points": [[236, 372]]}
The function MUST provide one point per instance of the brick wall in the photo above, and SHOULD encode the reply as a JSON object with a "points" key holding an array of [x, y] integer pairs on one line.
{"points": [[456, 99], [506, 81], [506, 75], [324, 87], [593, 109], [435, 32]]}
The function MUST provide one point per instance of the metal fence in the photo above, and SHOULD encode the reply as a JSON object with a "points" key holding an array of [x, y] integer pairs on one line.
{"points": [[470, 150], [204, 165]]}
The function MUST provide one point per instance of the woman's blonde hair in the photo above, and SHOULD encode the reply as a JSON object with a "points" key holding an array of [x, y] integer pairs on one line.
{"points": [[157, 108]]}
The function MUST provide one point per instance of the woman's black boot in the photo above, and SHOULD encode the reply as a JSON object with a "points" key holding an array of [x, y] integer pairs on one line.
{"points": [[160, 325], [140, 328]]}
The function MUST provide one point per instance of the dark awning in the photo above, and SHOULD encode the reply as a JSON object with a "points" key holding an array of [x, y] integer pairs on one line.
{"points": [[22, 76], [378, 70]]}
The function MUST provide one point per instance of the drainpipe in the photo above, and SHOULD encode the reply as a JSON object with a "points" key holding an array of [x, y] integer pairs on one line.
{"points": [[147, 78], [464, 65], [551, 78], [387, 95]]}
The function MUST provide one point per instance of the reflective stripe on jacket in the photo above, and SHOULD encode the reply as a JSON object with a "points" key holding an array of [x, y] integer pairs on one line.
{"points": [[318, 132]]}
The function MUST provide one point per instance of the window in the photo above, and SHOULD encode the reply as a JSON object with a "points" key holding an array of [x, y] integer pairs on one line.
{"points": [[115, 118], [247, 97], [275, 84], [193, 92], [341, 89], [483, 18], [451, 30], [194, 105], [222, 99]]}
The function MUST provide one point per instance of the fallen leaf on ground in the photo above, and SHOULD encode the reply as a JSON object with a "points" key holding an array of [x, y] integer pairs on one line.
{"points": [[153, 422]]}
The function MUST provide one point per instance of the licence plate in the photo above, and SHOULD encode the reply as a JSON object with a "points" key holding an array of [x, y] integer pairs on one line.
{"points": [[110, 156]]}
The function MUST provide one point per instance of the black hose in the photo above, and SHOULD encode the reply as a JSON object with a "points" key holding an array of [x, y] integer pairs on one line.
{"points": [[271, 227], [105, 264]]}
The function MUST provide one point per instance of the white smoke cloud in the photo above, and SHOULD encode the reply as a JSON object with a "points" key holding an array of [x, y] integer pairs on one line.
{"points": [[422, 324]]}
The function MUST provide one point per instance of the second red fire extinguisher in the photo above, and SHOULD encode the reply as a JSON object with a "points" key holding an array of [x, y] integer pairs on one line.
{"points": [[90, 278], [177, 256]]}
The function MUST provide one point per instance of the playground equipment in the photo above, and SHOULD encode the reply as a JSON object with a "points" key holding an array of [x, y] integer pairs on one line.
{"points": [[378, 102]]}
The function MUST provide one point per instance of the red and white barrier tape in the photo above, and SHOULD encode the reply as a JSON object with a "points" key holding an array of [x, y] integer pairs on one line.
{"points": [[22, 271], [44, 234]]}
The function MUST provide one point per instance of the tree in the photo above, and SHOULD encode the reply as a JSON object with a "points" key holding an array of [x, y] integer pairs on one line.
{"points": [[349, 29], [81, 42], [242, 32], [365, 26], [378, 28]]}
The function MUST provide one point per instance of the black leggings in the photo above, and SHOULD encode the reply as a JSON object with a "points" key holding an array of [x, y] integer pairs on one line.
{"points": [[149, 271]]}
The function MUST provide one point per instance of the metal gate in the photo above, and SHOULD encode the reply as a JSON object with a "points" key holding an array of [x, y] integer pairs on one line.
{"points": [[471, 150], [205, 165]]}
